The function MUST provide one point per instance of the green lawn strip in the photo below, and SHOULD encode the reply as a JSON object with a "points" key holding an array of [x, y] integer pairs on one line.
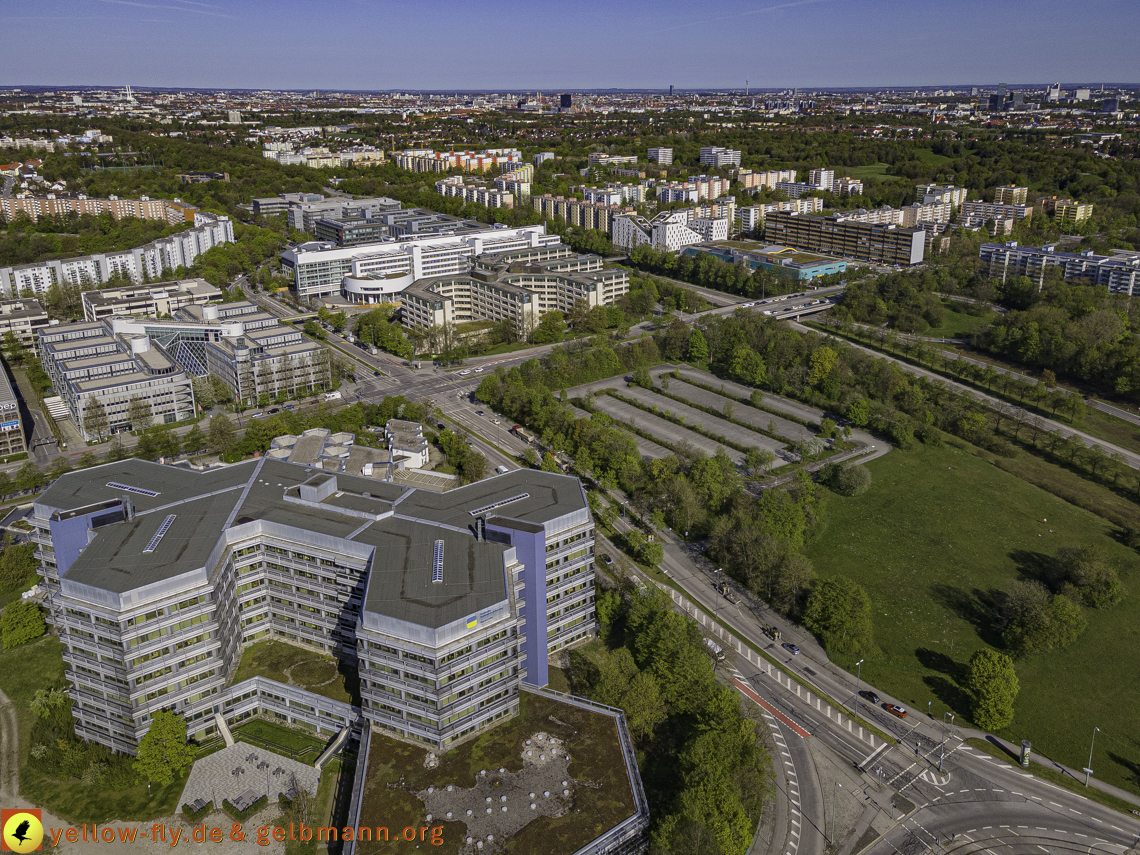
{"points": [[1068, 485], [310, 669], [875, 170], [1095, 422], [1050, 774], [934, 541], [747, 401], [396, 773], [273, 735], [959, 324]]}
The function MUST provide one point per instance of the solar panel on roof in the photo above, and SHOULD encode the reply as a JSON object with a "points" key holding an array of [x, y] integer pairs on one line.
{"points": [[499, 504], [158, 535], [437, 562], [115, 485]]}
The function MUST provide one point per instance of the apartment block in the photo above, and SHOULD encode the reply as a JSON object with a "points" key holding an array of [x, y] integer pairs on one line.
{"points": [[427, 160], [34, 207], [542, 157], [152, 259], [22, 318], [677, 191], [752, 216], [878, 244], [518, 285], [995, 211], [584, 214], [669, 230], [664, 156], [910, 216], [378, 272], [12, 439], [822, 178], [1009, 195], [598, 158], [481, 194], [717, 156], [159, 577], [847, 187], [750, 180], [955, 196], [1119, 272], [1072, 212], [154, 300]]}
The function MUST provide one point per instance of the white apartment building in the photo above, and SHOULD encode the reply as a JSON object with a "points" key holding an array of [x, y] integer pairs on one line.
{"points": [[481, 194], [717, 156], [427, 160], [152, 259], [542, 157], [995, 211], [822, 178], [754, 180], [955, 196], [378, 272], [669, 230], [677, 192], [664, 156]]}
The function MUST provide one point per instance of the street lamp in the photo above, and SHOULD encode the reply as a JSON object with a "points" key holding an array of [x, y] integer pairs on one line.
{"points": [[1088, 769], [858, 684]]}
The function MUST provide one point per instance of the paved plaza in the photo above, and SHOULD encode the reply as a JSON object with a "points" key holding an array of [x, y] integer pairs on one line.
{"points": [[244, 770]]}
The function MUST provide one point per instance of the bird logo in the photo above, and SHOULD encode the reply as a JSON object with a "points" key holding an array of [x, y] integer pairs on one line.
{"points": [[23, 830]]}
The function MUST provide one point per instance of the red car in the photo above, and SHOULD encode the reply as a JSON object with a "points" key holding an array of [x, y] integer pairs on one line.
{"points": [[895, 709]]}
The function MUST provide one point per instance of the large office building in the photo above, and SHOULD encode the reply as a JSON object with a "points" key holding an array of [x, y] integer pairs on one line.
{"points": [[378, 272], [1119, 272], [12, 439], [155, 300], [303, 215], [119, 358], [516, 285], [150, 260], [158, 577], [717, 156], [878, 244], [349, 232]]}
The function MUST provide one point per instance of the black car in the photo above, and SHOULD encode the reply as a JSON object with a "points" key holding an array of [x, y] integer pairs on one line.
{"points": [[377, 374], [869, 696], [480, 413]]}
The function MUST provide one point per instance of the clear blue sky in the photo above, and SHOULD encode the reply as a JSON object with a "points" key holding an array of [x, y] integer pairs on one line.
{"points": [[507, 44]]}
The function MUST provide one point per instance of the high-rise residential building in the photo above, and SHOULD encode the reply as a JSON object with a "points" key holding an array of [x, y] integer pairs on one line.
{"points": [[34, 207], [234, 117], [542, 157], [879, 244], [428, 160], [565, 101], [664, 156], [669, 230], [150, 260], [582, 213], [1072, 212], [1082, 94], [753, 180], [929, 193], [717, 156], [1010, 195], [1120, 272], [995, 211], [822, 178], [752, 217]]}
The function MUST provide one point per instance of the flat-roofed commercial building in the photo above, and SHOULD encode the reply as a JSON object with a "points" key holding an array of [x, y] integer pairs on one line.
{"points": [[519, 286], [22, 318], [350, 232], [878, 244], [781, 260], [303, 215], [1120, 272], [159, 298], [378, 272], [157, 579], [12, 439]]}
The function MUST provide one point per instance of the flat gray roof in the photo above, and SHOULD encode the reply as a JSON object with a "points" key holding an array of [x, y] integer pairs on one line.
{"points": [[400, 583]]}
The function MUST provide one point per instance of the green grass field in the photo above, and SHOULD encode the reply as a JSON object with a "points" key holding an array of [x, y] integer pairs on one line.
{"points": [[958, 324], [312, 671], [939, 533], [876, 170], [927, 155]]}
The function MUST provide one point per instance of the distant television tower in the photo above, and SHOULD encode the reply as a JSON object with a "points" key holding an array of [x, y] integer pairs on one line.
{"points": [[746, 81]]}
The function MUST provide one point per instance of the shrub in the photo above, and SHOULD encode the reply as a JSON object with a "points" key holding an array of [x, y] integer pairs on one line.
{"points": [[848, 480]]}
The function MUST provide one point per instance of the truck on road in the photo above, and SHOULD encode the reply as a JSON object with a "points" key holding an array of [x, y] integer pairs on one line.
{"points": [[726, 592]]}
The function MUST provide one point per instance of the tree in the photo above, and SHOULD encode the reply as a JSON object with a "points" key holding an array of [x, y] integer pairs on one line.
{"points": [[313, 329], [993, 683], [29, 477], [838, 612], [1085, 575], [859, 412], [223, 434], [139, 413], [21, 622], [698, 346], [95, 422], [17, 566], [194, 441], [849, 480], [163, 753], [14, 352], [822, 362], [204, 391]]}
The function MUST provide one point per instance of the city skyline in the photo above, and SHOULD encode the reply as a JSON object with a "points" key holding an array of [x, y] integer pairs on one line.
{"points": [[253, 45]]}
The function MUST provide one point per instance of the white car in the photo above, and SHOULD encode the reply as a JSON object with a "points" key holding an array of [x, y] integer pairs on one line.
{"points": [[478, 370], [768, 312], [748, 305], [464, 372]]}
